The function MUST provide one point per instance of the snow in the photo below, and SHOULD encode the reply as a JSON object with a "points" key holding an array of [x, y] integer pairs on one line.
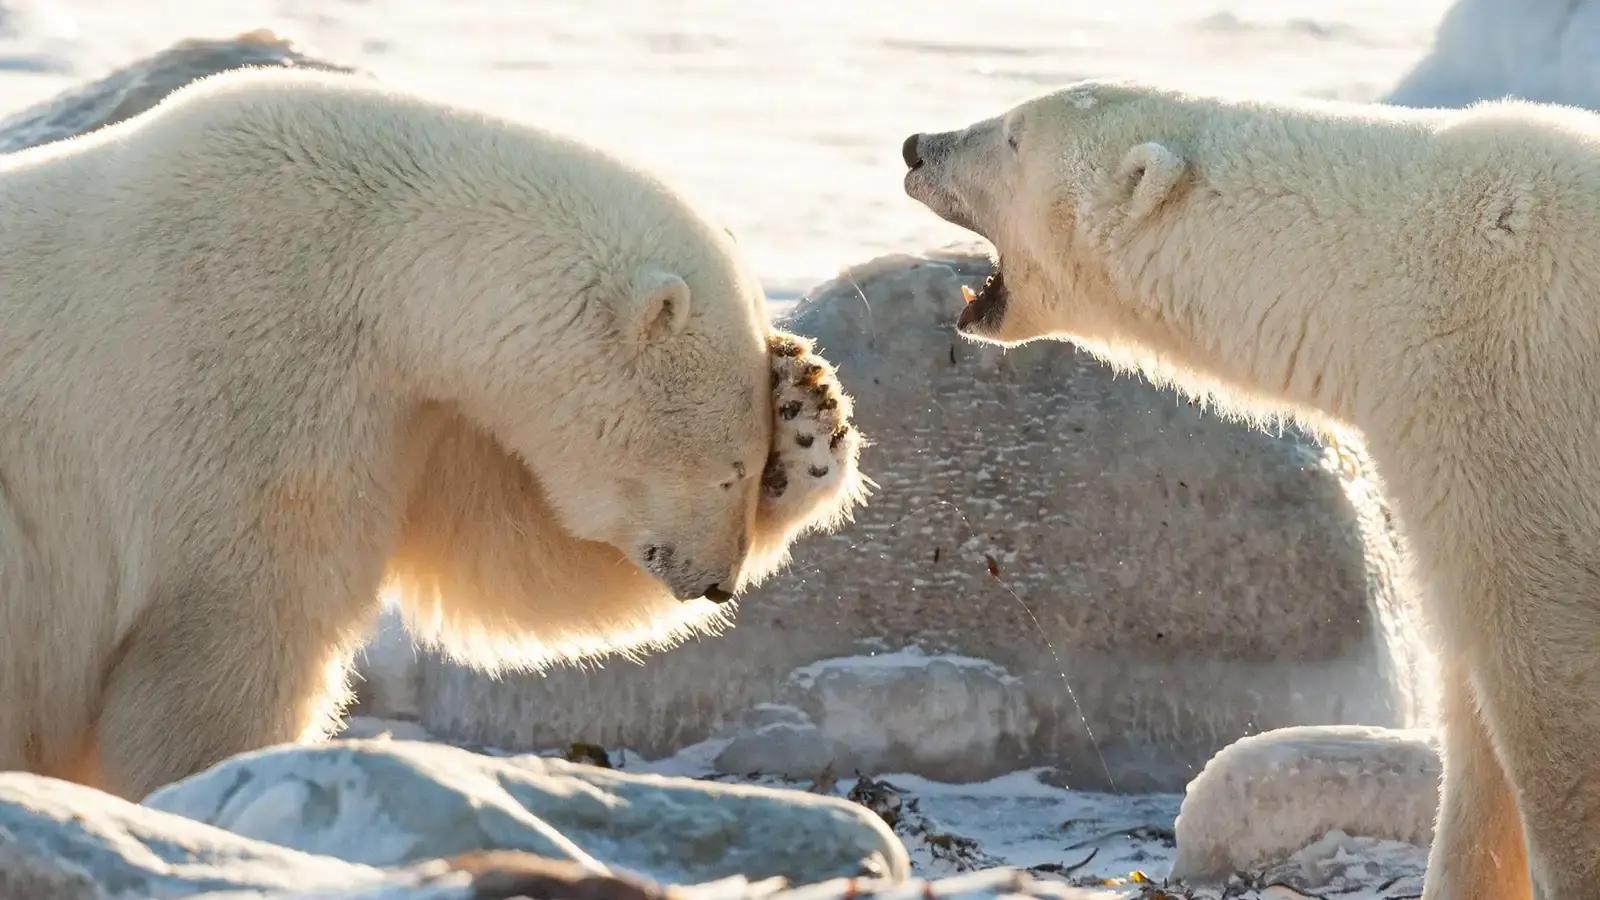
{"points": [[787, 124]]}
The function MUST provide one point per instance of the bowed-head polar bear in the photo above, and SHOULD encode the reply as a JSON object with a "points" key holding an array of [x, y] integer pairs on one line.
{"points": [[1430, 278], [290, 338]]}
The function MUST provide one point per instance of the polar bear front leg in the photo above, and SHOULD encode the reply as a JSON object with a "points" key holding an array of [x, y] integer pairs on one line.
{"points": [[1478, 848], [208, 674], [811, 480]]}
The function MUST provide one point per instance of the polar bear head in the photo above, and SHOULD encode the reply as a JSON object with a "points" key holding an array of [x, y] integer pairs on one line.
{"points": [[1045, 183], [671, 419], [620, 433], [643, 405]]}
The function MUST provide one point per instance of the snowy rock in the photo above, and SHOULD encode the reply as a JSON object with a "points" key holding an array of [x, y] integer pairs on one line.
{"points": [[947, 716], [67, 842], [1541, 50], [793, 751], [387, 803], [1270, 795], [135, 88], [763, 714], [1161, 578], [61, 840]]}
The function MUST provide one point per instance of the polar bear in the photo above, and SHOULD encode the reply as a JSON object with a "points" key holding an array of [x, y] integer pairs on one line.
{"points": [[1427, 277], [290, 339]]}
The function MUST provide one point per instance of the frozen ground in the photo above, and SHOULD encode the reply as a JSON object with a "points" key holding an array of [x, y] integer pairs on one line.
{"points": [[785, 118]]}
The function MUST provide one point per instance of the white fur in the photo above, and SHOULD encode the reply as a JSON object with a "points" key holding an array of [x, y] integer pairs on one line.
{"points": [[1429, 278], [289, 337]]}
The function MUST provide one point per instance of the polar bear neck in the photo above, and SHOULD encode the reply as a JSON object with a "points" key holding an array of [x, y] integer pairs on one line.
{"points": [[1277, 275]]}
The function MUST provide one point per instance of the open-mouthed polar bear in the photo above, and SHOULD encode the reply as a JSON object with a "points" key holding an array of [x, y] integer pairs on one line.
{"points": [[1429, 278]]}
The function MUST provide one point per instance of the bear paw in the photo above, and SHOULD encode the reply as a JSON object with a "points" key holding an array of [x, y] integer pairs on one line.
{"points": [[810, 479]]}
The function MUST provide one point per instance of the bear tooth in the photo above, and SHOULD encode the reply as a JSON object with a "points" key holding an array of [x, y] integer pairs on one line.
{"points": [[967, 294]]}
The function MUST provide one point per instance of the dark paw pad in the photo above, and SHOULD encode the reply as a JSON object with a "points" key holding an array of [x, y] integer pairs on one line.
{"points": [[774, 480]]}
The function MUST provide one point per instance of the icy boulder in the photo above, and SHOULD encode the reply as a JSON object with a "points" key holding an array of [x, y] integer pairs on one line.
{"points": [[66, 842], [1162, 578], [945, 716], [387, 803], [135, 88], [1542, 50], [1269, 795], [60, 840]]}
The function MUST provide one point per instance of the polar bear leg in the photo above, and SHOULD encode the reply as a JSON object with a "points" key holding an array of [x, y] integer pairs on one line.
{"points": [[1539, 688], [1478, 849], [205, 675]]}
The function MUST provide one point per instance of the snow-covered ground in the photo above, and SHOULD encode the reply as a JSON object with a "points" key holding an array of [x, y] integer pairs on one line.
{"points": [[786, 119], [1026, 820]]}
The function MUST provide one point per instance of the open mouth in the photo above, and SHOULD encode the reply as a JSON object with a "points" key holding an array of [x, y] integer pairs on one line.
{"points": [[985, 306]]}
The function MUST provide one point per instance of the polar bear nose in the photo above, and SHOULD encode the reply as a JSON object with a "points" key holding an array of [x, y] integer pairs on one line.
{"points": [[908, 152], [716, 594]]}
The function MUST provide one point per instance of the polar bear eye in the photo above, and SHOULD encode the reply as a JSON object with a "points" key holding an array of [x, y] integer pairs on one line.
{"points": [[1012, 140]]}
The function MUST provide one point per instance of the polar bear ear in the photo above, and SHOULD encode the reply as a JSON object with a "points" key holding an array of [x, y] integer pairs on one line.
{"points": [[659, 304], [1148, 175]]}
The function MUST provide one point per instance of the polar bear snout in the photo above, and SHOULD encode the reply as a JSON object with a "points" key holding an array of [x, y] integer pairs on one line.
{"points": [[932, 179], [910, 153], [685, 578]]}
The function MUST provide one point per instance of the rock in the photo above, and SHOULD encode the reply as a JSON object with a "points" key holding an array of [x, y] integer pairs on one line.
{"points": [[135, 88], [1164, 579], [388, 803], [62, 840], [793, 751], [946, 716], [1267, 796], [68, 842], [879, 796], [763, 714]]}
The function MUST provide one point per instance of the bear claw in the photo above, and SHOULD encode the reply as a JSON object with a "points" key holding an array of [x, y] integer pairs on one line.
{"points": [[807, 401]]}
